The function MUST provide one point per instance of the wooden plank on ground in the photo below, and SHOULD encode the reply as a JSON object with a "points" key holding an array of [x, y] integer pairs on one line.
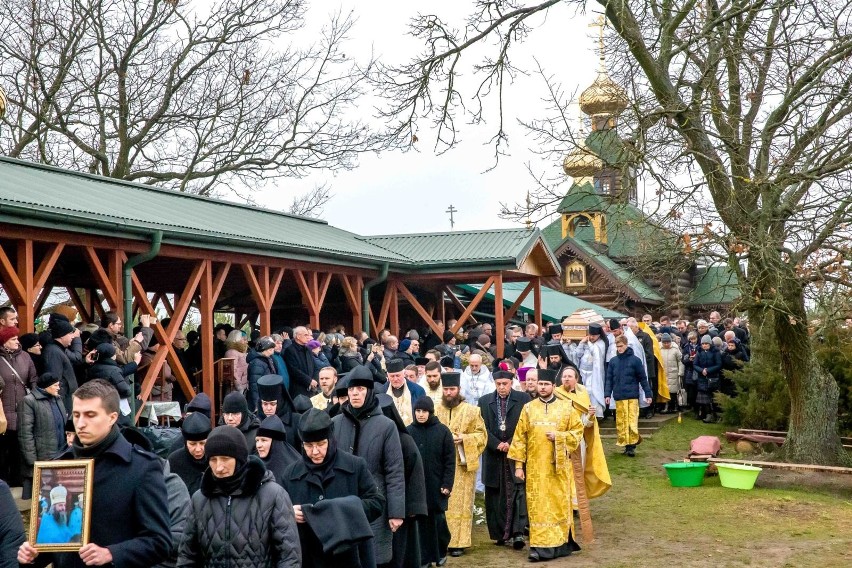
{"points": [[787, 466]]}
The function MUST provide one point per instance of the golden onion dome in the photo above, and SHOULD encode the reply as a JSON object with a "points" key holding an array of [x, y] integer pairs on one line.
{"points": [[4, 102], [581, 162], [604, 96]]}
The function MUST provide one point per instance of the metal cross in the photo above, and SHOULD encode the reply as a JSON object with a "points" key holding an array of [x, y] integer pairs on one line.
{"points": [[452, 210]]}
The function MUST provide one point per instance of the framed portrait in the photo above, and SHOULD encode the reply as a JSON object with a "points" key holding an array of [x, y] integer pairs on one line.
{"points": [[575, 275], [61, 514]]}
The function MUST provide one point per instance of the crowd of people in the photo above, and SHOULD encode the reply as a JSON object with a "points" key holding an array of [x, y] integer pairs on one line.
{"points": [[336, 450]]}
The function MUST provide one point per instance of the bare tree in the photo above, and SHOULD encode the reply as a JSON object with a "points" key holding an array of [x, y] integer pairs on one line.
{"points": [[161, 93], [741, 120]]}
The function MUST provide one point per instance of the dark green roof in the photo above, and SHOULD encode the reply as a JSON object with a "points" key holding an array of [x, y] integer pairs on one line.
{"points": [[582, 197], [715, 285], [608, 146], [554, 304], [43, 196]]}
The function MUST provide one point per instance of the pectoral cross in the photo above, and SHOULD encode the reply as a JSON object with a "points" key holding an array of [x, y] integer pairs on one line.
{"points": [[452, 210]]}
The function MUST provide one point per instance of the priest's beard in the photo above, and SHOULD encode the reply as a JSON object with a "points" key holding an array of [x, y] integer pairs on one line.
{"points": [[60, 518], [554, 366], [433, 387], [452, 401]]}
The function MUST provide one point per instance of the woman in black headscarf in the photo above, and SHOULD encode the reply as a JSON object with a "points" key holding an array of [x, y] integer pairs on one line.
{"points": [[272, 448], [406, 540]]}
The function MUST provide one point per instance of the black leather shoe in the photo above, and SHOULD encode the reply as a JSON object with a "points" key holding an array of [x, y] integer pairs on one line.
{"points": [[518, 543], [456, 552], [500, 542], [533, 557], [441, 561]]}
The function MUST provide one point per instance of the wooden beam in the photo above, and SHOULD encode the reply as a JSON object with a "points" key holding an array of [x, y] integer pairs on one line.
{"points": [[537, 301], [352, 287], [257, 291], [788, 466], [418, 308], [164, 298], [513, 309], [473, 303], [394, 310], [207, 301], [11, 282], [46, 266], [457, 303], [110, 293], [219, 280], [85, 315], [500, 334], [26, 263], [42, 300], [440, 308]]}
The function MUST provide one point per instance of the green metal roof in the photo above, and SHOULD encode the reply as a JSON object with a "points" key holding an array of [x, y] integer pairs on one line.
{"points": [[554, 304], [463, 247], [715, 285], [38, 195], [608, 146], [639, 287], [582, 197]]}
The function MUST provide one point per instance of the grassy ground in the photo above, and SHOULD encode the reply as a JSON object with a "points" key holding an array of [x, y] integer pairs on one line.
{"points": [[789, 519]]}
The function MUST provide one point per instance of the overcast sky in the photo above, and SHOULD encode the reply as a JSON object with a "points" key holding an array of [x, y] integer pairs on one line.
{"points": [[410, 192]]}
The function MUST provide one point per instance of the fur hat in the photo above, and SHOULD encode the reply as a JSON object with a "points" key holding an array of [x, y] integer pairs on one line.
{"points": [[46, 380], [395, 366]]}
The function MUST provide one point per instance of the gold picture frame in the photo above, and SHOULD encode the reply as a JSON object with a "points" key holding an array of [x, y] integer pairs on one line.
{"points": [[67, 483]]}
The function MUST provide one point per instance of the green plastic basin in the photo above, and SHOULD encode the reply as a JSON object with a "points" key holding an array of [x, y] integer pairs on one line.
{"points": [[686, 474], [736, 476]]}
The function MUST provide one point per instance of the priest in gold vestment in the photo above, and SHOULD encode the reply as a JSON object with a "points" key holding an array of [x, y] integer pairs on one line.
{"points": [[595, 472], [548, 431], [469, 435]]}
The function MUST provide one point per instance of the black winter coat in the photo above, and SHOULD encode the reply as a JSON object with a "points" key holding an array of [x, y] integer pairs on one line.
{"points": [[58, 360], [111, 371], [37, 429], [711, 360], [624, 375], [415, 481], [130, 514], [187, 468], [11, 528], [493, 459], [378, 443], [300, 366], [253, 527], [350, 477], [435, 443]]}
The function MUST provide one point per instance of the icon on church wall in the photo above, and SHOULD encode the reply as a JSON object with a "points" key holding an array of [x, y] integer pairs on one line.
{"points": [[575, 275]]}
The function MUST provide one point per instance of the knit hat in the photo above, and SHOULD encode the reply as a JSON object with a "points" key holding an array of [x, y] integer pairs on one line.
{"points": [[448, 335], [195, 427], [59, 326], [58, 495], [235, 402], [404, 344], [46, 379], [270, 387], [706, 339], [502, 375], [302, 403], [666, 337], [272, 427], [313, 344], [315, 425], [547, 375], [448, 362], [523, 344], [263, 344], [8, 333], [228, 442], [361, 376], [395, 366], [595, 329], [614, 324], [200, 403], [450, 379], [425, 403], [421, 361], [105, 351], [554, 328], [28, 340], [97, 337]]}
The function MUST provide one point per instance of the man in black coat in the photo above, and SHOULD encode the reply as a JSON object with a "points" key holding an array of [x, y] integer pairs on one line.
{"points": [[650, 362], [61, 354], [435, 442], [327, 474], [300, 364], [11, 528], [504, 510], [130, 521]]}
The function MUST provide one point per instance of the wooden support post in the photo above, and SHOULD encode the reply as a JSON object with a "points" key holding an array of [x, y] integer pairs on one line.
{"points": [[111, 294], [42, 299], [500, 335], [313, 289], [264, 287], [394, 310], [26, 310], [352, 287], [207, 302], [85, 314], [473, 303], [418, 308], [458, 304], [513, 309], [537, 301], [440, 311]]}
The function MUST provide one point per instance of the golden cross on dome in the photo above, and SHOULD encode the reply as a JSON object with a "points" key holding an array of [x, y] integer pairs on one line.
{"points": [[600, 23]]}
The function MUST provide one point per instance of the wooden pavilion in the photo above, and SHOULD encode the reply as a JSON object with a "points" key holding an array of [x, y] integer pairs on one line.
{"points": [[132, 248]]}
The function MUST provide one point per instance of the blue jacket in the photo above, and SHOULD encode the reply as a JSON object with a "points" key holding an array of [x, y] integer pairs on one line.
{"points": [[624, 375], [710, 360]]}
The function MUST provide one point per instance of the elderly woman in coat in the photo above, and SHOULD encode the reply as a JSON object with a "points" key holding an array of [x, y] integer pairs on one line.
{"points": [[41, 426], [240, 518], [673, 365], [17, 375]]}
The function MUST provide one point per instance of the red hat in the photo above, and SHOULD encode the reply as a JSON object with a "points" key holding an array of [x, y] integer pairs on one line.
{"points": [[8, 333]]}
